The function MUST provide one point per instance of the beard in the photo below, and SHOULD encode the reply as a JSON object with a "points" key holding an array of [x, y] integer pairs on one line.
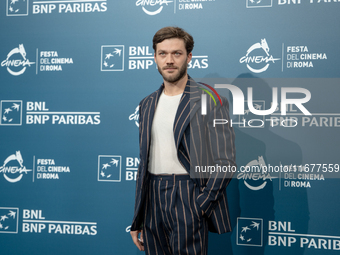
{"points": [[172, 78]]}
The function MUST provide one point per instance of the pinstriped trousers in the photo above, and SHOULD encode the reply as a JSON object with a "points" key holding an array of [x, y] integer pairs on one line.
{"points": [[173, 222]]}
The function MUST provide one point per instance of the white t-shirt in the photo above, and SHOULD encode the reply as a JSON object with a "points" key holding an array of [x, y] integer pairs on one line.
{"points": [[163, 153]]}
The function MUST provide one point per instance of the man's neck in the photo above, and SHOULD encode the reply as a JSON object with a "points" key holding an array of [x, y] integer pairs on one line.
{"points": [[173, 89]]}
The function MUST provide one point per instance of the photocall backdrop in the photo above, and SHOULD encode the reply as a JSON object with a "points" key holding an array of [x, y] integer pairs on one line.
{"points": [[73, 73]]}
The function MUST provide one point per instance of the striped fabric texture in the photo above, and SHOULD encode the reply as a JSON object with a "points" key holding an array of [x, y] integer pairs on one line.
{"points": [[174, 223]]}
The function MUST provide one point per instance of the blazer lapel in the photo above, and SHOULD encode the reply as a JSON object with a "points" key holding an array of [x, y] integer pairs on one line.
{"points": [[188, 105], [150, 111]]}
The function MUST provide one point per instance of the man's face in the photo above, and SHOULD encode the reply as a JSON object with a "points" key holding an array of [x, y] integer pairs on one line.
{"points": [[172, 59]]}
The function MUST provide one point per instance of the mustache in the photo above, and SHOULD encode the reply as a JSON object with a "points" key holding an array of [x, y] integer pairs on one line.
{"points": [[169, 66]]}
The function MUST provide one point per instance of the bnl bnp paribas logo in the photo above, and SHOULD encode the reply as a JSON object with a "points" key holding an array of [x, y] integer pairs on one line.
{"points": [[112, 58], [9, 220], [249, 231], [17, 61], [259, 3], [21, 7], [17, 7], [257, 58], [109, 168], [11, 113]]}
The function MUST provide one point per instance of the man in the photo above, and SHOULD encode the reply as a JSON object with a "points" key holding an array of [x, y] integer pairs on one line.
{"points": [[175, 210]]}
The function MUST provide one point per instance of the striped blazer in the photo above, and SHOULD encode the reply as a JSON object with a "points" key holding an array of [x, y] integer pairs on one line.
{"points": [[198, 144]]}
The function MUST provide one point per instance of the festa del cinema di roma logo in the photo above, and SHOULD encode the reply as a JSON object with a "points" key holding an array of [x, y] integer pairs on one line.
{"points": [[135, 116], [156, 5], [16, 61], [13, 166], [258, 58], [254, 179]]}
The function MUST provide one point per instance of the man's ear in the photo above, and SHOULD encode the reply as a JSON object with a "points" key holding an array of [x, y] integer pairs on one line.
{"points": [[154, 56], [189, 57]]}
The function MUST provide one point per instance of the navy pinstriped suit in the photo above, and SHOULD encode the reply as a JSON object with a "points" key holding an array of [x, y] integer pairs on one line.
{"points": [[198, 143]]}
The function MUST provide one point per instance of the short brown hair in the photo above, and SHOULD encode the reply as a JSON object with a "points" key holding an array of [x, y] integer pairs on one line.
{"points": [[173, 32]]}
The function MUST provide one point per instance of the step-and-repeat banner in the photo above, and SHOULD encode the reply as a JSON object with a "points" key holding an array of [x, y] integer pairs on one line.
{"points": [[73, 73]]}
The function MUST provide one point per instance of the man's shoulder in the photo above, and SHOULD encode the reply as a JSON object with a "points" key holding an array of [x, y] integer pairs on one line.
{"points": [[149, 97]]}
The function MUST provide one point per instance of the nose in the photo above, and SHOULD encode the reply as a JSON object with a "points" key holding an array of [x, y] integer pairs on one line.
{"points": [[169, 59]]}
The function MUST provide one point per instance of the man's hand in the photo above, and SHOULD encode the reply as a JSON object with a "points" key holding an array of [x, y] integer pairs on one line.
{"points": [[138, 242]]}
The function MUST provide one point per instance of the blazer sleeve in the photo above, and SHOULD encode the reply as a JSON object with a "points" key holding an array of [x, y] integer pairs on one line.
{"points": [[137, 218]]}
